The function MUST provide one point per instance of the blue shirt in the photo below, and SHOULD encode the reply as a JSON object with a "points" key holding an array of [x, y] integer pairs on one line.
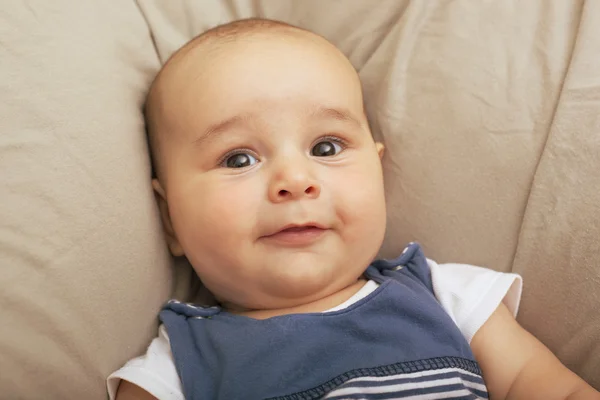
{"points": [[396, 342]]}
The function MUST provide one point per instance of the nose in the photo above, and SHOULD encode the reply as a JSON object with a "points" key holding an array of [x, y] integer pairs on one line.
{"points": [[293, 182]]}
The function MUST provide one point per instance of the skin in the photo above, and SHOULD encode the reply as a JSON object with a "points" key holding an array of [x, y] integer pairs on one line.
{"points": [[214, 100], [227, 102]]}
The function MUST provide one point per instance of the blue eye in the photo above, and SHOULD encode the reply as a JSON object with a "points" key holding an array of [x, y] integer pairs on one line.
{"points": [[326, 148], [240, 160]]}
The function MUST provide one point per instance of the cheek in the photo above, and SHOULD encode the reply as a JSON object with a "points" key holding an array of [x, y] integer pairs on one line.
{"points": [[361, 205], [214, 212]]}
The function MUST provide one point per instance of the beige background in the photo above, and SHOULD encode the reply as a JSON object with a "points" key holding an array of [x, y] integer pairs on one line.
{"points": [[490, 112]]}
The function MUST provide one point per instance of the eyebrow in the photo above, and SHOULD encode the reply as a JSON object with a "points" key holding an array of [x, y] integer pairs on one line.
{"points": [[220, 127], [339, 114], [319, 112]]}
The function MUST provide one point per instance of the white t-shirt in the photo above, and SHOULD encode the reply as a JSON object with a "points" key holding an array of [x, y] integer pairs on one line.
{"points": [[469, 295]]}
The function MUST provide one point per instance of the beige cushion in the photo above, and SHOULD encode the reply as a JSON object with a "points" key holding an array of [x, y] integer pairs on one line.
{"points": [[559, 245], [489, 112], [84, 268]]}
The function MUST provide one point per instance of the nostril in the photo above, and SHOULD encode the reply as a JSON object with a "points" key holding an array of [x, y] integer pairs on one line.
{"points": [[309, 190], [283, 193]]}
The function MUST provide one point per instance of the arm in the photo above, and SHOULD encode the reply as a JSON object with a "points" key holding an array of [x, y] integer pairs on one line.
{"points": [[129, 391], [516, 365]]}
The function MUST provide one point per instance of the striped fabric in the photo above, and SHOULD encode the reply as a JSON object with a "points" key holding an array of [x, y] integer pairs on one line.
{"points": [[448, 383]]}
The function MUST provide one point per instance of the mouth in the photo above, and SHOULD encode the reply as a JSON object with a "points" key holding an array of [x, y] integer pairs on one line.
{"points": [[301, 227], [297, 234]]}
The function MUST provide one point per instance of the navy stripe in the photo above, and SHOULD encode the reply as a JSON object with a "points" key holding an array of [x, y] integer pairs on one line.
{"points": [[471, 378], [373, 384], [413, 379], [403, 393], [392, 396], [481, 394], [383, 371]]}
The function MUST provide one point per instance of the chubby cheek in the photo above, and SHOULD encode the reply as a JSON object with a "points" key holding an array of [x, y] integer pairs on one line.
{"points": [[361, 208], [210, 217]]}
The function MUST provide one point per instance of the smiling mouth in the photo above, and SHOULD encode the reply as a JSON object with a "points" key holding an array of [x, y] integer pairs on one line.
{"points": [[298, 229], [297, 235]]}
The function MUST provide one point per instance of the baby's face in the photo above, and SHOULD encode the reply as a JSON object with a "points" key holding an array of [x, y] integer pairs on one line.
{"points": [[273, 182]]}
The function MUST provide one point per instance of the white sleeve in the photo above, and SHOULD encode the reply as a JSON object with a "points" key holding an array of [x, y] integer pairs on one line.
{"points": [[471, 294], [154, 372]]}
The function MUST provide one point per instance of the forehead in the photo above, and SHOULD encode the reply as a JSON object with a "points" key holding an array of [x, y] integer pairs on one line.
{"points": [[221, 81]]}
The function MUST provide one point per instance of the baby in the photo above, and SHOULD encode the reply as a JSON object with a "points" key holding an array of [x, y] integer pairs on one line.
{"points": [[270, 183]]}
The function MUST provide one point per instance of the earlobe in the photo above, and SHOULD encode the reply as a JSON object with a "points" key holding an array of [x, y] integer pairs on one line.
{"points": [[380, 149], [158, 189], [165, 217]]}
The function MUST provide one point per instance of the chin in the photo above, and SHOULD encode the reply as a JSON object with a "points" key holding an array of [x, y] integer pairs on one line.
{"points": [[308, 284]]}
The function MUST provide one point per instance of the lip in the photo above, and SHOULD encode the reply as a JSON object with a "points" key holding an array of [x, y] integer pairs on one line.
{"points": [[297, 235]]}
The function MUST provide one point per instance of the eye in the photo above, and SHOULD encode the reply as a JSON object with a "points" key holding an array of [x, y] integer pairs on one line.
{"points": [[239, 160], [327, 148]]}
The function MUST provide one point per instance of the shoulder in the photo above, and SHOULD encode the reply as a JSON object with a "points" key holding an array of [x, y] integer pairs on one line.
{"points": [[471, 294], [153, 373]]}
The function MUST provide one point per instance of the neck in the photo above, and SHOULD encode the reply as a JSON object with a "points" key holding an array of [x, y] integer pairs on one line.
{"points": [[319, 305]]}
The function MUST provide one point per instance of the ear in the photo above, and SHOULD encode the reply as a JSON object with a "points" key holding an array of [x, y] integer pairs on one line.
{"points": [[380, 149], [163, 207]]}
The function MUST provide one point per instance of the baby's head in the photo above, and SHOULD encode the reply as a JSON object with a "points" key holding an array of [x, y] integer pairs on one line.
{"points": [[268, 178]]}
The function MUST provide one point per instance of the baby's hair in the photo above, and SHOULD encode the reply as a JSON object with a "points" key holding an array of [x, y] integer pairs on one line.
{"points": [[220, 34]]}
